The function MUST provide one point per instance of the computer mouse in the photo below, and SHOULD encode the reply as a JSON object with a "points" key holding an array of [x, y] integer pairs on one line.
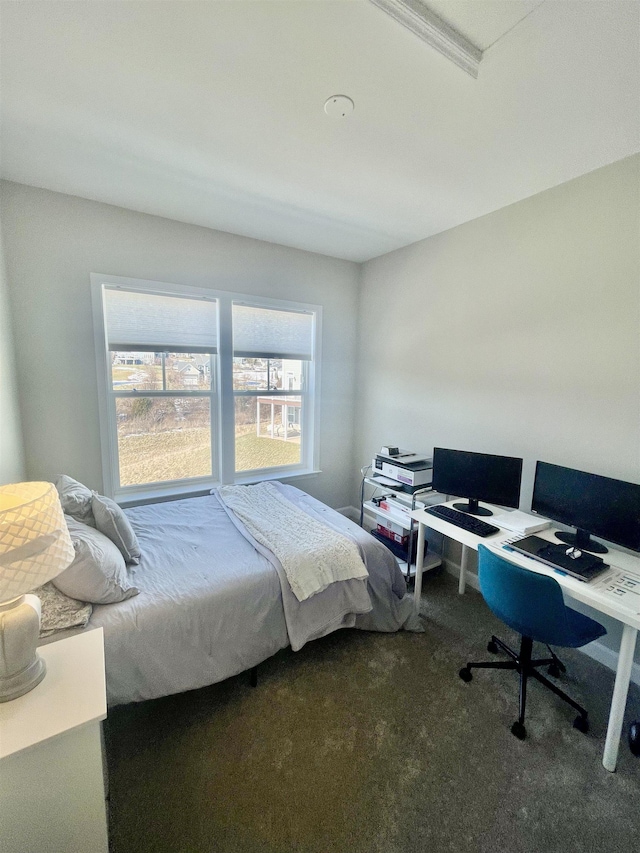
{"points": [[573, 553], [634, 738]]}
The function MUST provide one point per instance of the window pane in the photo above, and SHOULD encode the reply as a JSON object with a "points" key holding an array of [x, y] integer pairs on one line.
{"points": [[160, 439], [285, 374], [250, 374], [191, 371], [282, 374], [143, 371], [271, 439], [136, 371]]}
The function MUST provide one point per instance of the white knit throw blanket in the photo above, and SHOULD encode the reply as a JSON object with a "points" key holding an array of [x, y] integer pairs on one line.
{"points": [[312, 555]]}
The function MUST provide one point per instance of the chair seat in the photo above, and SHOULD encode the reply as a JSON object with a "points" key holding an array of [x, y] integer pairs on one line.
{"points": [[582, 629], [572, 631], [532, 604]]}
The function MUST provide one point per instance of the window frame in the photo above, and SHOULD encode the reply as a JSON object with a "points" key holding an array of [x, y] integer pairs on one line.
{"points": [[221, 394]]}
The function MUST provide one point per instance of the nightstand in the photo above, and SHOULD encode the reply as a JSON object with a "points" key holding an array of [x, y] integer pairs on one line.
{"points": [[52, 784]]}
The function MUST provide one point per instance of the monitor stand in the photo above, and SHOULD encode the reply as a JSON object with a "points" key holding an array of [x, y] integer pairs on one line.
{"points": [[472, 508], [582, 541]]}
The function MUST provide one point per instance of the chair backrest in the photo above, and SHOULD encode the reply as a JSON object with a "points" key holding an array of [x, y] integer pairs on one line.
{"points": [[530, 603]]}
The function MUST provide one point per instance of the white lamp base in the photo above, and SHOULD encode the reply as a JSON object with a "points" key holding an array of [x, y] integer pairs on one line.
{"points": [[21, 668]]}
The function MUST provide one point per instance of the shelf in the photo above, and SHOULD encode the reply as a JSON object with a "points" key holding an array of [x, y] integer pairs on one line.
{"points": [[396, 549], [389, 486], [404, 522], [411, 498], [431, 561]]}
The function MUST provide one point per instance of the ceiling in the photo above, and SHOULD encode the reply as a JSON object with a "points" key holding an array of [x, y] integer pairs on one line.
{"points": [[212, 112]]}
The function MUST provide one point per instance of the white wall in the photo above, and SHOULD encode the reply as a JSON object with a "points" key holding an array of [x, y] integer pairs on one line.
{"points": [[11, 452], [53, 242], [517, 333]]}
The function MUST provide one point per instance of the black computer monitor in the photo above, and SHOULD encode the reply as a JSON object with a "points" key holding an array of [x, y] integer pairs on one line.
{"points": [[477, 477], [592, 504]]}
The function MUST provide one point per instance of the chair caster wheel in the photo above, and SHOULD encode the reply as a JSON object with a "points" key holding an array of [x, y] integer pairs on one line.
{"points": [[519, 730], [554, 671], [634, 738], [582, 724], [492, 647], [465, 674]]}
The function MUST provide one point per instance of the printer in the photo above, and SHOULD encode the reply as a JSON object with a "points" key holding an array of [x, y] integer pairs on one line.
{"points": [[402, 466]]}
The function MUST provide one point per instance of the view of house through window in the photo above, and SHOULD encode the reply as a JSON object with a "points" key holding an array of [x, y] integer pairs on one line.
{"points": [[163, 405], [268, 427], [273, 357], [162, 438]]}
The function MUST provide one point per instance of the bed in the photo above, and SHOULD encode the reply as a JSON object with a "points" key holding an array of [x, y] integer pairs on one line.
{"points": [[211, 603]]}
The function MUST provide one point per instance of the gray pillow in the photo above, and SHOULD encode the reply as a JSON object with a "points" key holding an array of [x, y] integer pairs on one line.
{"points": [[98, 573], [75, 499], [111, 520]]}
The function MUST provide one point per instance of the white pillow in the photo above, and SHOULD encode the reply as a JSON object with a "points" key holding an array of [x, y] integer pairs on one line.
{"points": [[98, 573], [75, 499], [111, 520]]}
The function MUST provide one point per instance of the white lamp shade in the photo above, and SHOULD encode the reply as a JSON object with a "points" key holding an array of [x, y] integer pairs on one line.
{"points": [[35, 545]]}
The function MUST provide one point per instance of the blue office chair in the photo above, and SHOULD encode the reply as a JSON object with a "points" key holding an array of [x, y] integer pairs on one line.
{"points": [[532, 605]]}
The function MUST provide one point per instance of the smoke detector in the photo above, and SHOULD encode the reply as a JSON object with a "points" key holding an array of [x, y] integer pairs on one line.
{"points": [[338, 106]]}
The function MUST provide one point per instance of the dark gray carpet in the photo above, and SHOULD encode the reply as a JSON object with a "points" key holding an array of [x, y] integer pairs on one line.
{"points": [[370, 743]]}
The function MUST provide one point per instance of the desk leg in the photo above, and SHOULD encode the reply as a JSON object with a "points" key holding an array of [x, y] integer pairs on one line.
{"points": [[419, 561], [619, 698], [462, 582]]}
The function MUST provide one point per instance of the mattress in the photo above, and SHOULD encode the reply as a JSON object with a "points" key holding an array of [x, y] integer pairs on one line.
{"points": [[210, 604]]}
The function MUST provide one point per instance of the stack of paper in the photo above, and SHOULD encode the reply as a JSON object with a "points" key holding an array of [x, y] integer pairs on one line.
{"points": [[520, 522]]}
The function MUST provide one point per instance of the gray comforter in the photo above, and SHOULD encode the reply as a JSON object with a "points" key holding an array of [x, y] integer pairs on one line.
{"points": [[211, 604]]}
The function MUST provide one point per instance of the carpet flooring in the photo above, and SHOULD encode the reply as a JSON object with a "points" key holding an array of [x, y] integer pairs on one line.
{"points": [[370, 743]]}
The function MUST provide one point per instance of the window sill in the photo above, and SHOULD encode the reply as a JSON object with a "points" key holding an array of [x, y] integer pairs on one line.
{"points": [[151, 496], [281, 475], [160, 495]]}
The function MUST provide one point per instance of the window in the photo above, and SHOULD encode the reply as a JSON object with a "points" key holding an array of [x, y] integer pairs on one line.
{"points": [[200, 387], [272, 351]]}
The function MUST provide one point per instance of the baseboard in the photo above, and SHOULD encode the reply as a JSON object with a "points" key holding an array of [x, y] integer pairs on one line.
{"points": [[454, 569], [609, 657], [596, 650], [351, 512]]}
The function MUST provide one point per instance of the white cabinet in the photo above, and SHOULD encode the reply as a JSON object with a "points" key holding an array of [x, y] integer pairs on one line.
{"points": [[52, 790]]}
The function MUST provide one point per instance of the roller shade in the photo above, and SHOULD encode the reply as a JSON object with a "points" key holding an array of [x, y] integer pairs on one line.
{"points": [[272, 333], [150, 322]]}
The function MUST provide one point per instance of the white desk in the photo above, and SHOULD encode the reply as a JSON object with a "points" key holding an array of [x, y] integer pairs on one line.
{"points": [[597, 594]]}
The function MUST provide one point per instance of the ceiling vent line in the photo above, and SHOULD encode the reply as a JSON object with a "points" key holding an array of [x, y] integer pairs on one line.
{"points": [[415, 16]]}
